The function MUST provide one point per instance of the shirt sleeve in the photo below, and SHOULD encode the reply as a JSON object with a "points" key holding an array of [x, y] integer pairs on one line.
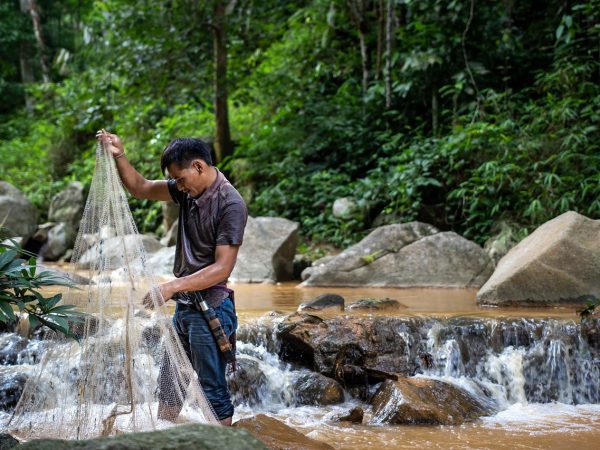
{"points": [[232, 224], [176, 194]]}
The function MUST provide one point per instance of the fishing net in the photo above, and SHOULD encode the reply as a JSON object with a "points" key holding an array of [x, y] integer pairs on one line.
{"points": [[129, 359]]}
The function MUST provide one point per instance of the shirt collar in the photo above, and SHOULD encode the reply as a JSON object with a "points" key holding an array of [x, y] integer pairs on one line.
{"points": [[211, 191]]}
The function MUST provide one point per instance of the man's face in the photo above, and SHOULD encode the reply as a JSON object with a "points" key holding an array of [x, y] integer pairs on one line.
{"points": [[189, 179]]}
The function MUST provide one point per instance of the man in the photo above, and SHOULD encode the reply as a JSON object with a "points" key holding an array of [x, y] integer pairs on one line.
{"points": [[212, 218]]}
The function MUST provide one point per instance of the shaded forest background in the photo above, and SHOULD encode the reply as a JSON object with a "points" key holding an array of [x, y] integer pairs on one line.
{"points": [[462, 114]]}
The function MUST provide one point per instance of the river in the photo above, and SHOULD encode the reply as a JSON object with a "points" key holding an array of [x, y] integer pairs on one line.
{"points": [[523, 422]]}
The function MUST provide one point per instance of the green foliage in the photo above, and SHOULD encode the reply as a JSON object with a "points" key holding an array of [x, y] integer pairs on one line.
{"points": [[20, 285]]}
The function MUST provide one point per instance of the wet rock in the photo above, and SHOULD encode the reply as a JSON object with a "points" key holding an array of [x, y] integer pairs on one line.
{"points": [[278, 436], [315, 389], [183, 437], [247, 384], [111, 253], [355, 415], [15, 349], [558, 262], [267, 253], [354, 350], [17, 213], [324, 302], [406, 255], [7, 441], [425, 401], [373, 304], [12, 382]]}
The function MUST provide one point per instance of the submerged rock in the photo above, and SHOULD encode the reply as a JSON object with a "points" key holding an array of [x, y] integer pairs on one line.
{"points": [[558, 262], [12, 382], [7, 441], [425, 401], [248, 382], [324, 302], [355, 415], [267, 253], [183, 437], [405, 255], [375, 304], [278, 436], [316, 389]]}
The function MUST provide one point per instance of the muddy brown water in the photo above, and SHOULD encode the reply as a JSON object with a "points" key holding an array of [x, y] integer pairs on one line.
{"points": [[529, 426]]}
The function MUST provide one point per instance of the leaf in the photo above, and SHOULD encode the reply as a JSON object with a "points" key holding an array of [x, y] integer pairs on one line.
{"points": [[7, 310]]}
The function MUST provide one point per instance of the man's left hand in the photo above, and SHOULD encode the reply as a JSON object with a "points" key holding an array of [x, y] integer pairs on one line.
{"points": [[165, 292]]}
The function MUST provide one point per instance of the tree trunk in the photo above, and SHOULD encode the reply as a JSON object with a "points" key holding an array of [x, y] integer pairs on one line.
{"points": [[435, 109], [223, 144], [389, 34], [31, 7], [27, 75], [380, 36], [357, 12]]}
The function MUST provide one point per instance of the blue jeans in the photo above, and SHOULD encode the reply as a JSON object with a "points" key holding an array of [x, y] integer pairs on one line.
{"points": [[204, 354]]}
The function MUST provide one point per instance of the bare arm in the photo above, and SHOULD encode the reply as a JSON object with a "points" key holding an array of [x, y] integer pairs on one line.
{"points": [[225, 257], [134, 182]]}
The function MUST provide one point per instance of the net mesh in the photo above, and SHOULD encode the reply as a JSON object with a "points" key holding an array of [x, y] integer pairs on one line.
{"points": [[129, 361]]}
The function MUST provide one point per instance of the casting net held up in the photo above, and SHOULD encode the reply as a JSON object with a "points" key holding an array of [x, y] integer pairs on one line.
{"points": [[129, 359]]}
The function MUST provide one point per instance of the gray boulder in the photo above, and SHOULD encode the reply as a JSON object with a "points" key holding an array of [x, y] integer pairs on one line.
{"points": [[170, 238], [345, 208], [117, 252], [170, 213], [182, 437], [161, 262], [267, 253], [558, 262], [406, 255], [425, 401], [67, 206], [60, 238], [17, 213]]}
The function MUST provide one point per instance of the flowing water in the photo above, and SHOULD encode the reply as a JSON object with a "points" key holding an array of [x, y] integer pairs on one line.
{"points": [[534, 365]]}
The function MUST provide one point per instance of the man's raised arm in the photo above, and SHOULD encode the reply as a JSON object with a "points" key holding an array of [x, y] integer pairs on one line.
{"points": [[136, 184]]}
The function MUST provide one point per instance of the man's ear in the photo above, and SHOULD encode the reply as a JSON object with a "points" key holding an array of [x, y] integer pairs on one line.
{"points": [[197, 165]]}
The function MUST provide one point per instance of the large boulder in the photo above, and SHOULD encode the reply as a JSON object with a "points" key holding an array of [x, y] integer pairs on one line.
{"points": [[117, 252], [406, 255], [558, 262], [61, 238], [17, 213], [183, 437], [425, 401], [278, 436], [267, 253], [170, 213], [352, 350], [67, 206], [170, 238], [161, 263]]}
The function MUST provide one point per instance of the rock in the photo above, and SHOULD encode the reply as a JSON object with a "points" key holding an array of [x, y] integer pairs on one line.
{"points": [[316, 389], [170, 238], [7, 441], [345, 208], [352, 350], [324, 302], [267, 253], [58, 273], [306, 273], [111, 253], [183, 437], [12, 382], [17, 213], [41, 234], [355, 415], [499, 245], [406, 255], [161, 263], [170, 214], [278, 436], [375, 304], [248, 383], [424, 401], [67, 206], [558, 262], [59, 239], [15, 349]]}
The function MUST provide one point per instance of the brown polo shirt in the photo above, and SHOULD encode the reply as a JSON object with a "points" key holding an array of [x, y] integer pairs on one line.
{"points": [[217, 217]]}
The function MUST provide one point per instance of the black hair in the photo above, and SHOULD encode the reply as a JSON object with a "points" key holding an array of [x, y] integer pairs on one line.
{"points": [[182, 151]]}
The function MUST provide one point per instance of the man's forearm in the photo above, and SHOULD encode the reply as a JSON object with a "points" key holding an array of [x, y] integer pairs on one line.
{"points": [[131, 178], [203, 279]]}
